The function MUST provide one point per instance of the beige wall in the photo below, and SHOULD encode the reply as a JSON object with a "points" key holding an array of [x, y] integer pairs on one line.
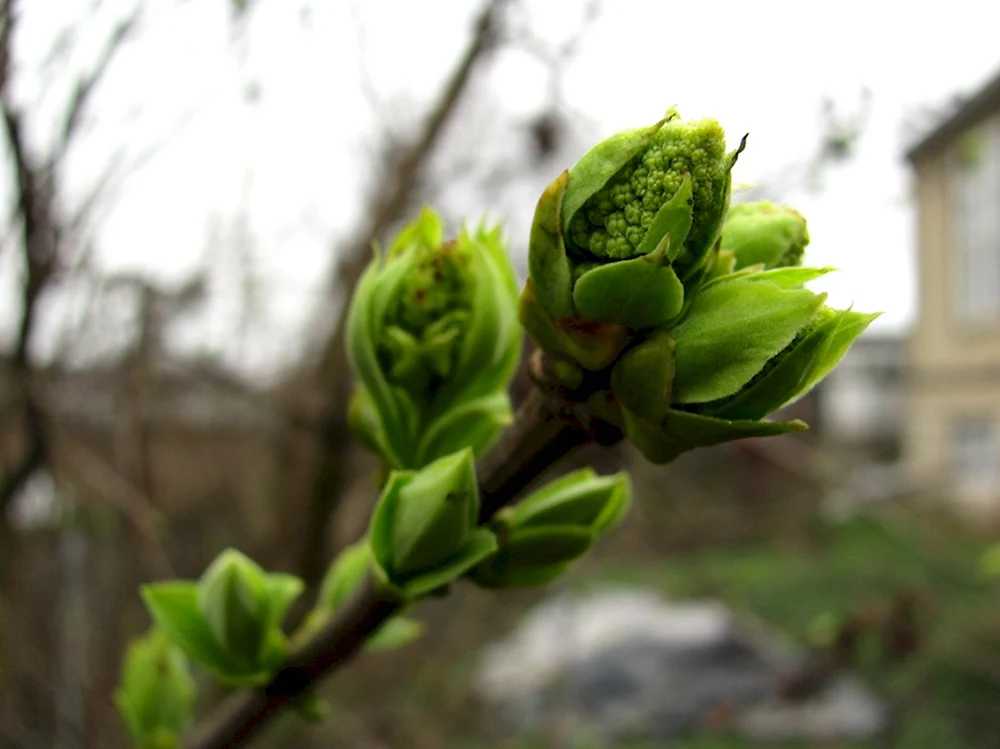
{"points": [[955, 371], [932, 418], [939, 339]]}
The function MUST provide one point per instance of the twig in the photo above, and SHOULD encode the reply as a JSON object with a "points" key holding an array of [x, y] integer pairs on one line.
{"points": [[543, 431], [86, 85], [135, 506]]}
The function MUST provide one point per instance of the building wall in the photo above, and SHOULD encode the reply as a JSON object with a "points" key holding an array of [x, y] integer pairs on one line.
{"points": [[952, 420]]}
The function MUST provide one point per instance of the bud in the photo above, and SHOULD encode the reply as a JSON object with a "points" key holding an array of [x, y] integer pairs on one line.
{"points": [[774, 236], [423, 530], [542, 535], [749, 344], [233, 599], [618, 241], [433, 340], [157, 692], [230, 620]]}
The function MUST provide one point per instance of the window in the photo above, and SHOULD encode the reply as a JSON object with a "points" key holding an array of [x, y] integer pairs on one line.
{"points": [[975, 455], [976, 226]]}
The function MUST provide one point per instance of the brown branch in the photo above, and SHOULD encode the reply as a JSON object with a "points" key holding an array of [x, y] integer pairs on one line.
{"points": [[86, 85], [545, 429], [92, 469], [33, 208], [387, 208]]}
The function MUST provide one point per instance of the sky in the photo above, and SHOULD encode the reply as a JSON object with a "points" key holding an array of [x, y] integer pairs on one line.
{"points": [[261, 139]]}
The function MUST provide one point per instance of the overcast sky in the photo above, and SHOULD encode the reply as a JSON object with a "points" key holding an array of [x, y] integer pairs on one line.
{"points": [[294, 155]]}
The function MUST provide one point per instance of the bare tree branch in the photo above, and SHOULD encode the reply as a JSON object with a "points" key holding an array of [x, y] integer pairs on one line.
{"points": [[92, 469], [387, 207], [86, 85], [33, 209]]}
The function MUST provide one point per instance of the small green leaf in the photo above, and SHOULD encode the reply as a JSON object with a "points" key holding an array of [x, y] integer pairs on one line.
{"points": [[472, 423], [670, 225], [790, 278], [233, 598], [852, 325], [589, 502], [481, 544], [282, 589], [543, 546], [547, 262], [638, 293], [486, 576], [731, 331], [383, 521], [394, 634], [681, 431], [174, 608], [344, 575], [643, 377], [592, 345], [157, 692], [533, 556], [795, 370], [436, 511]]}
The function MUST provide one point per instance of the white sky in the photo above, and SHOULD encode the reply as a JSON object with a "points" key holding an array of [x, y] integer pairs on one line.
{"points": [[295, 159]]}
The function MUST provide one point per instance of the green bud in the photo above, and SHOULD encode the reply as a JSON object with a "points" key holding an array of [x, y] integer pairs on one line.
{"points": [[423, 530], [579, 499], [230, 620], [774, 236], [553, 526], [157, 692], [433, 329], [233, 597], [622, 238], [532, 556], [344, 575]]}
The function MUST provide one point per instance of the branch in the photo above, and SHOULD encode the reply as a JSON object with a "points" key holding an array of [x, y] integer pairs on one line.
{"points": [[387, 208], [86, 85], [134, 505], [33, 206], [546, 429]]}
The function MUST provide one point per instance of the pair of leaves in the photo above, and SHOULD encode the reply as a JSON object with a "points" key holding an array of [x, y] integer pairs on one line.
{"points": [[423, 531], [552, 527], [197, 620]]}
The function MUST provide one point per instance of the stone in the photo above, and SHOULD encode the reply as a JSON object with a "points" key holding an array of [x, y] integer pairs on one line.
{"points": [[626, 664]]}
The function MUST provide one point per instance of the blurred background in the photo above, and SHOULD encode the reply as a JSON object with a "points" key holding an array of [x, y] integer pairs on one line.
{"points": [[189, 191]]}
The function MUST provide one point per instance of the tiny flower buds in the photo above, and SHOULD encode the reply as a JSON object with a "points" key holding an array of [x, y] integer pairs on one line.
{"points": [[433, 340], [156, 693], [229, 621], [619, 240], [423, 530], [542, 535], [774, 236]]}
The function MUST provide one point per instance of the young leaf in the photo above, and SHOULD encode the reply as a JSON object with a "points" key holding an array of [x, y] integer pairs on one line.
{"points": [[174, 608], [731, 331], [481, 544]]}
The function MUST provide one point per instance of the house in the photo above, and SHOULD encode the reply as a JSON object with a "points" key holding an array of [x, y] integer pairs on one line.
{"points": [[952, 417], [861, 402]]}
